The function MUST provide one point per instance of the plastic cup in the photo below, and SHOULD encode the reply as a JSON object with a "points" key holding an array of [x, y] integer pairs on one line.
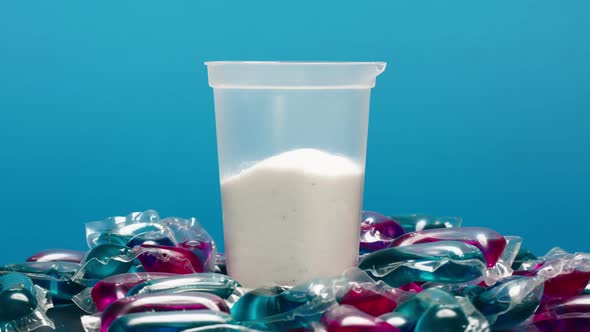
{"points": [[291, 140]]}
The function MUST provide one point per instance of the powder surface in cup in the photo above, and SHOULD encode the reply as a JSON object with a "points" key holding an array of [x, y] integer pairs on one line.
{"points": [[292, 217]]}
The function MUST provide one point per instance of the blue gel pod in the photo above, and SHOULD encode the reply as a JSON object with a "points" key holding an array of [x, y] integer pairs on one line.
{"points": [[171, 321], [440, 262]]}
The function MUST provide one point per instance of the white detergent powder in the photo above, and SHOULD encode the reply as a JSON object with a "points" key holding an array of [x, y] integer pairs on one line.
{"points": [[292, 217]]}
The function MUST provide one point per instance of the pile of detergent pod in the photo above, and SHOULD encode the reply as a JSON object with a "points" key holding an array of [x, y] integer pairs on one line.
{"points": [[415, 273]]}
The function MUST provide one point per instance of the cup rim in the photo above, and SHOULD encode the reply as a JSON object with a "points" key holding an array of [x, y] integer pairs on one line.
{"points": [[296, 63]]}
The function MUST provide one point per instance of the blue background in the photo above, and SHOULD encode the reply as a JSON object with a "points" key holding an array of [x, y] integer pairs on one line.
{"points": [[483, 111]]}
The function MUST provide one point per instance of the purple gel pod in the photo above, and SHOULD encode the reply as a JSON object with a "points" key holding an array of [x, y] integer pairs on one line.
{"points": [[191, 235], [490, 242], [562, 286], [377, 231], [58, 255], [157, 238], [373, 301], [418, 222], [564, 315], [161, 302], [148, 228], [565, 274], [567, 284], [344, 318], [503, 267], [175, 260], [113, 288], [412, 287]]}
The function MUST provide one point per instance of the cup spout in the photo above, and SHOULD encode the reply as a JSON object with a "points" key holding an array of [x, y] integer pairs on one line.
{"points": [[380, 67]]}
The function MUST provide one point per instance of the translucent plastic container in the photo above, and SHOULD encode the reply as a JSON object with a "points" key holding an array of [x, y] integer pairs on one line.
{"points": [[291, 139]]}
